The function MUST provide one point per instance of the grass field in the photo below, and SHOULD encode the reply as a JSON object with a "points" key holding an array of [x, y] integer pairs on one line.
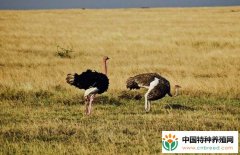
{"points": [[197, 48]]}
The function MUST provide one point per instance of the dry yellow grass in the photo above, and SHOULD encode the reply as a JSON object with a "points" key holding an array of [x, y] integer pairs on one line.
{"points": [[197, 48]]}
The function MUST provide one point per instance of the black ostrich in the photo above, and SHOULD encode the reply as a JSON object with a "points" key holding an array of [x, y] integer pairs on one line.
{"points": [[157, 86], [92, 82]]}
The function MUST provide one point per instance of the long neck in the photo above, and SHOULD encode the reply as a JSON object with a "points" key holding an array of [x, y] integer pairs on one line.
{"points": [[105, 67]]}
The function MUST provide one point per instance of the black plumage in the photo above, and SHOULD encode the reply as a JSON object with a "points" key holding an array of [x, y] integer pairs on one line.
{"points": [[89, 79], [92, 82]]}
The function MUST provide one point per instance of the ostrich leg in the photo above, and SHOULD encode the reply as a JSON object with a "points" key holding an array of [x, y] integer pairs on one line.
{"points": [[89, 97], [149, 106], [147, 103], [86, 103], [90, 104], [153, 84]]}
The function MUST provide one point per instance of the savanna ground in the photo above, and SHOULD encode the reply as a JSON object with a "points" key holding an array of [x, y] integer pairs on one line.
{"points": [[197, 48]]}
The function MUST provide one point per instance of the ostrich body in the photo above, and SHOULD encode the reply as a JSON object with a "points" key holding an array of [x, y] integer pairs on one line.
{"points": [[92, 82], [157, 86]]}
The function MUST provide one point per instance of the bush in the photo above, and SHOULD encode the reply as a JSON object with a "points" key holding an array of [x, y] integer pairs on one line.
{"points": [[64, 53]]}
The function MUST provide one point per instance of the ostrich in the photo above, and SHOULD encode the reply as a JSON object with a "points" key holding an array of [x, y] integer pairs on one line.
{"points": [[92, 82], [157, 87]]}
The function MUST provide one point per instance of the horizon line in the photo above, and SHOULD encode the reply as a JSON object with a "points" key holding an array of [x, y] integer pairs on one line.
{"points": [[115, 8]]}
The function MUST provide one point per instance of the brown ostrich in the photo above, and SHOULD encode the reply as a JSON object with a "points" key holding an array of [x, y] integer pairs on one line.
{"points": [[157, 87]]}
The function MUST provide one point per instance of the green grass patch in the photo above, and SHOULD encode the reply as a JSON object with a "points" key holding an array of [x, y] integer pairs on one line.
{"points": [[49, 122]]}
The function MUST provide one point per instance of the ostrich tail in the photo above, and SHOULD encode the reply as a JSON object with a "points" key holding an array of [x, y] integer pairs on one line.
{"points": [[131, 84], [70, 79]]}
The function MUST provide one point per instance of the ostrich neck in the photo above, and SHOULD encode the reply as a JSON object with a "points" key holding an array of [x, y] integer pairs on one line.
{"points": [[105, 67]]}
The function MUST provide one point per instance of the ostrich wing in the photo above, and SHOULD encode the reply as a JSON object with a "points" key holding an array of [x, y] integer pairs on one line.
{"points": [[141, 80], [89, 79], [84, 80]]}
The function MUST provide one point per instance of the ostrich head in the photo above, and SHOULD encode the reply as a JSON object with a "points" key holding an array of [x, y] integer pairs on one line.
{"points": [[105, 58]]}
